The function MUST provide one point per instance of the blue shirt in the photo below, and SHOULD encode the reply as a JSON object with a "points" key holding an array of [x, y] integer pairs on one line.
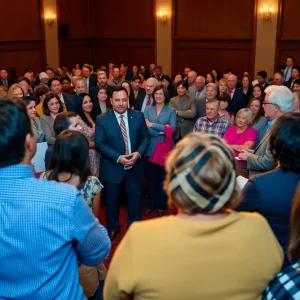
{"points": [[45, 228]]}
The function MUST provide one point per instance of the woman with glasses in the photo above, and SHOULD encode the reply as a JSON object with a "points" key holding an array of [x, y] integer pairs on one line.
{"points": [[52, 106]]}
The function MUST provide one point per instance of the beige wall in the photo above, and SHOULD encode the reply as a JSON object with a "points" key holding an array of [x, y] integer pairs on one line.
{"points": [[51, 36], [266, 39], [164, 37]]}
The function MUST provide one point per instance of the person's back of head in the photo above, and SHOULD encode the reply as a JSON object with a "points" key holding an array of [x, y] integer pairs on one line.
{"points": [[201, 175], [63, 121], [70, 154], [280, 96], [285, 142], [16, 135]]}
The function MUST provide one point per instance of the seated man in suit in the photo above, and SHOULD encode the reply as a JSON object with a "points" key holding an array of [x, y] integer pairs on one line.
{"points": [[122, 138], [145, 99], [294, 76], [124, 73], [4, 78], [262, 78], [288, 68], [185, 111], [56, 87], [116, 78], [200, 88], [278, 101], [212, 123], [87, 75], [271, 194], [278, 78], [237, 96], [135, 83]]}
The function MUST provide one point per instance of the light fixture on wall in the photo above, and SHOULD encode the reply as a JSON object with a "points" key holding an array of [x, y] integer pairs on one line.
{"points": [[50, 19], [162, 16], [266, 13]]}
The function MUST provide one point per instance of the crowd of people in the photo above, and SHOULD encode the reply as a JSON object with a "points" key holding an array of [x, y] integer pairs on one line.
{"points": [[115, 133]]}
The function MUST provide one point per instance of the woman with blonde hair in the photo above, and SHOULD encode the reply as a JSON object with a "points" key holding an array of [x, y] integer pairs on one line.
{"points": [[207, 251], [223, 86], [15, 91]]}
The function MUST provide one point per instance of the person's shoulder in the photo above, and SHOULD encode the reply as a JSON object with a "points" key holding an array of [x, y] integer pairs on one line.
{"points": [[253, 220], [137, 113], [105, 116], [174, 98]]}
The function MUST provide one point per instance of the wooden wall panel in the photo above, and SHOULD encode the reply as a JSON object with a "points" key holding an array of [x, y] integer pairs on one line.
{"points": [[21, 21], [229, 19], [103, 31], [210, 35], [288, 34]]}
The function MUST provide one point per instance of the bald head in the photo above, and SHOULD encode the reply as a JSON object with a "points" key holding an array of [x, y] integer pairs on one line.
{"points": [[200, 83], [192, 77], [150, 85], [232, 81]]}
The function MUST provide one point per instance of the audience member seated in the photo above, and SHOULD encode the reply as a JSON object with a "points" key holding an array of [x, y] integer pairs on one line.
{"points": [[87, 122], [200, 89], [279, 100], [15, 91], [65, 82], [262, 78], [40, 248], [143, 79], [4, 80], [246, 88], [278, 78], [238, 251], [101, 81], [102, 104], [3, 91], [258, 93], [145, 99], [271, 194], [294, 76], [286, 285], [212, 123], [70, 164], [35, 121], [296, 86], [116, 80], [223, 86], [167, 83], [40, 92], [178, 77], [158, 116], [56, 87], [127, 85], [185, 111], [296, 96], [210, 78], [43, 80], [240, 137], [135, 83], [191, 82], [217, 75], [237, 97], [225, 100], [259, 122], [51, 107]]}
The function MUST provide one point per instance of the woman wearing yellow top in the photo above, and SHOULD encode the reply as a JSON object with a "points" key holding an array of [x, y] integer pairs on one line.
{"points": [[207, 251]]}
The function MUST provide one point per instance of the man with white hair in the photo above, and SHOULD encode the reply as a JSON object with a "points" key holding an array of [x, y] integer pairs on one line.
{"points": [[200, 88], [278, 101], [278, 78], [192, 82], [145, 99], [237, 96]]}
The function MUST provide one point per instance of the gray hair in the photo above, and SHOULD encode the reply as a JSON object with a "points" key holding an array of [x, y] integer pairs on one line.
{"points": [[281, 96], [153, 80], [213, 85]]}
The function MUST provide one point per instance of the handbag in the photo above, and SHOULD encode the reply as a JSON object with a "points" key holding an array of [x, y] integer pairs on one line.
{"points": [[163, 149]]}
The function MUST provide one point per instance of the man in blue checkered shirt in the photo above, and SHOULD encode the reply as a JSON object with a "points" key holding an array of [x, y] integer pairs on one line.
{"points": [[45, 226]]}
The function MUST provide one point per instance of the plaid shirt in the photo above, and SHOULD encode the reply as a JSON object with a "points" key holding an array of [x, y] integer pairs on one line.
{"points": [[286, 285], [218, 127]]}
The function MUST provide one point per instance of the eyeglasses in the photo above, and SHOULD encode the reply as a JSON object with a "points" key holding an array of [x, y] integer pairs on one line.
{"points": [[265, 103]]}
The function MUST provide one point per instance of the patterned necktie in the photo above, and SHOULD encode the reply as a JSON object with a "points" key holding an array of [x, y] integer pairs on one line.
{"points": [[148, 101], [124, 133], [198, 96], [292, 83]]}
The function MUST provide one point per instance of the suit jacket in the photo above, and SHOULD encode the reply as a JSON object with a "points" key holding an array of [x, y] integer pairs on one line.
{"points": [[70, 102], [95, 89], [261, 160], [128, 75], [166, 116], [138, 103], [265, 85], [92, 82], [200, 107], [110, 143], [288, 83], [237, 102], [271, 195], [185, 117], [9, 82]]}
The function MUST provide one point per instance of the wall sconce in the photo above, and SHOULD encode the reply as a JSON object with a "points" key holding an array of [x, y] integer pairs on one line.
{"points": [[162, 16], [266, 13], [50, 19]]}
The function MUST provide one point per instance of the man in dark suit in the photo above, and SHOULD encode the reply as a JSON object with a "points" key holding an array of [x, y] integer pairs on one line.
{"points": [[145, 99], [91, 81], [4, 78], [101, 81], [287, 69], [294, 76], [262, 78], [237, 96], [56, 87], [122, 138], [135, 83], [124, 73], [272, 193]]}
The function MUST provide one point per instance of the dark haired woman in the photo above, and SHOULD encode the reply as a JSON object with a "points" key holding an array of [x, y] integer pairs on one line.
{"points": [[258, 93], [225, 100], [52, 106], [103, 104], [126, 84], [157, 116], [246, 88], [271, 194], [70, 164], [88, 115], [210, 78], [167, 83]]}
